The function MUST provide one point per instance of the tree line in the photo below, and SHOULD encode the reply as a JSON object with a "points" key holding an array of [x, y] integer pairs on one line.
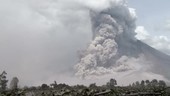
{"points": [[4, 81], [144, 87]]}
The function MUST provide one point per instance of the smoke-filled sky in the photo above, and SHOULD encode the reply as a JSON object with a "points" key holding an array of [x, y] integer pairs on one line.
{"points": [[40, 39]]}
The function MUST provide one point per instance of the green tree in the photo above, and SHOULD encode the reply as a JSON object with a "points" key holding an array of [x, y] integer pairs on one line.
{"points": [[133, 85], [112, 83], [44, 86], [54, 85], [14, 83], [154, 83], [147, 82], [137, 84], [162, 83], [142, 83], [3, 81], [93, 86]]}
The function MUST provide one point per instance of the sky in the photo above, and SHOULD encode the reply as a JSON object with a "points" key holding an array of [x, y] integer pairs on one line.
{"points": [[154, 22], [152, 14], [40, 39]]}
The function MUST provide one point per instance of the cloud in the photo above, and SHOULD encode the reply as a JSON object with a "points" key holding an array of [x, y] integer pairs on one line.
{"points": [[167, 25], [40, 38], [161, 43]]}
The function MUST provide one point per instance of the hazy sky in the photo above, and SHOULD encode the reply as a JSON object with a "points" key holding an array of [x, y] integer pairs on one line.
{"points": [[40, 39], [154, 16]]}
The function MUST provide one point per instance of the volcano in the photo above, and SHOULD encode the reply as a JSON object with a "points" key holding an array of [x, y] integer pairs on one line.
{"points": [[114, 48], [160, 61]]}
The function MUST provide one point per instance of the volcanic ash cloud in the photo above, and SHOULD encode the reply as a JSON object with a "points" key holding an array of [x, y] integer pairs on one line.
{"points": [[100, 57]]}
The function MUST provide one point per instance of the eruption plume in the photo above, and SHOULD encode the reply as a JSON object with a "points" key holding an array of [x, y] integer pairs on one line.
{"points": [[101, 55], [115, 50]]}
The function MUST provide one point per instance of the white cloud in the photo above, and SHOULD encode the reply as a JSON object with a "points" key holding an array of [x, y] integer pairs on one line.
{"points": [[40, 38], [161, 43]]}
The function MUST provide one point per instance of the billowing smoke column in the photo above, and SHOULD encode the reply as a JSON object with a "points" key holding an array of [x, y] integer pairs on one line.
{"points": [[101, 56]]}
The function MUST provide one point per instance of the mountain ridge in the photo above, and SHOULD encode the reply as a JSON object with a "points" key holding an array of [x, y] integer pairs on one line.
{"points": [[133, 48]]}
